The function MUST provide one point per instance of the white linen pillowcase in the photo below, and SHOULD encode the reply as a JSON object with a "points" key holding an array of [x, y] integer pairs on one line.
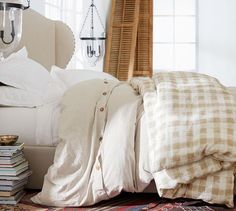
{"points": [[68, 78], [25, 83], [14, 97], [10, 96], [21, 72]]}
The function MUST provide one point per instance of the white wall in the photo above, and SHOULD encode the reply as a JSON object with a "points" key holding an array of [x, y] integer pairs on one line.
{"points": [[217, 39], [38, 5]]}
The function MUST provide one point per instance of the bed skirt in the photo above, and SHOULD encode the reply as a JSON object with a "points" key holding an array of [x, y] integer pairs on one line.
{"points": [[39, 158]]}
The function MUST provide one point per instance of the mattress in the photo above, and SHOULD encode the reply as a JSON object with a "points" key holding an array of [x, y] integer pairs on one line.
{"points": [[35, 126]]}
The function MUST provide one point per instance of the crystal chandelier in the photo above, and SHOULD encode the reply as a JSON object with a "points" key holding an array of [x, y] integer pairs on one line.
{"points": [[93, 36], [10, 25]]}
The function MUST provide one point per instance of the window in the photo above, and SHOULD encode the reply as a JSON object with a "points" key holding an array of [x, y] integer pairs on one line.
{"points": [[174, 38]]}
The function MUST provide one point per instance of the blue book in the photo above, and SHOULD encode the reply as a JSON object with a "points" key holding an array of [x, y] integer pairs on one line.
{"points": [[21, 176], [12, 188], [15, 170]]}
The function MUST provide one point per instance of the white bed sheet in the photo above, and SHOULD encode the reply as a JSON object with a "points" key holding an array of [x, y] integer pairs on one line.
{"points": [[35, 126]]}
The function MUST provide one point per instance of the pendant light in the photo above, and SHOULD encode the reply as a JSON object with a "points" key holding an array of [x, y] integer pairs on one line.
{"points": [[10, 25], [92, 36]]}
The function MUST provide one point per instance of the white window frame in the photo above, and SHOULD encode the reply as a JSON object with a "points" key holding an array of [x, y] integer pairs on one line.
{"points": [[174, 43]]}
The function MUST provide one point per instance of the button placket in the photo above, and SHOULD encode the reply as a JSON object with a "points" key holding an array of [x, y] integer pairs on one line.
{"points": [[101, 112], [102, 109], [102, 106]]}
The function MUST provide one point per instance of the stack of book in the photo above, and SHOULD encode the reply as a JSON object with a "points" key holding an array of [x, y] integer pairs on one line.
{"points": [[14, 173]]}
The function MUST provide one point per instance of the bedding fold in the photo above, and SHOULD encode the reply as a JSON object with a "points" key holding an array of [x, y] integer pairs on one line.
{"points": [[191, 121]]}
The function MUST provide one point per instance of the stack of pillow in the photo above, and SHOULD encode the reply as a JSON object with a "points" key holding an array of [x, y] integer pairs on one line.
{"points": [[26, 83]]}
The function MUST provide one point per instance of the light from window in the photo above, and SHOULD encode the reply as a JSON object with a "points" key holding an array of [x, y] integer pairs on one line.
{"points": [[174, 39]]}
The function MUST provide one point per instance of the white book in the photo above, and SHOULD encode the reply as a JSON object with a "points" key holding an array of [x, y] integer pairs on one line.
{"points": [[8, 166], [8, 153], [16, 146], [21, 176], [4, 182], [12, 156], [11, 161]]}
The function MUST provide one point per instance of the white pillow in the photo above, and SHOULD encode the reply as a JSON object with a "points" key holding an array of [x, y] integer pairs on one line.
{"points": [[68, 78], [10, 96], [24, 73]]}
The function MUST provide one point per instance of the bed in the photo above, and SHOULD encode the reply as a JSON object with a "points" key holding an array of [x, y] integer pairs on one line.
{"points": [[39, 132]]}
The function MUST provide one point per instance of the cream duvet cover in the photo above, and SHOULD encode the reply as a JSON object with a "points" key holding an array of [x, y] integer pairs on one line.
{"points": [[190, 150], [96, 158]]}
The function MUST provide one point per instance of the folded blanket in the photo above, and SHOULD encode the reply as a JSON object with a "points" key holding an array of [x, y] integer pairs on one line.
{"points": [[192, 138]]}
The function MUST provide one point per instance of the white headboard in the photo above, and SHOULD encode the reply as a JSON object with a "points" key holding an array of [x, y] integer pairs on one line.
{"points": [[48, 42]]}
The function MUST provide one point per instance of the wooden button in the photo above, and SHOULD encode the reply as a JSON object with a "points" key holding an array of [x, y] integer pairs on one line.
{"points": [[98, 167], [101, 109], [104, 93], [105, 82], [100, 139]]}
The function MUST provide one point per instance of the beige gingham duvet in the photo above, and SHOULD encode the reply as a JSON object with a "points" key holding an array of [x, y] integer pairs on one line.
{"points": [[192, 135]]}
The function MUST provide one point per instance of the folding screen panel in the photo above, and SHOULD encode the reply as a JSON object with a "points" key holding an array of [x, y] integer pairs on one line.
{"points": [[144, 49], [122, 37], [129, 43]]}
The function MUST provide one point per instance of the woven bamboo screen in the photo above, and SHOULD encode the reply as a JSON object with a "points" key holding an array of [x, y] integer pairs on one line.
{"points": [[144, 49], [122, 37], [129, 43]]}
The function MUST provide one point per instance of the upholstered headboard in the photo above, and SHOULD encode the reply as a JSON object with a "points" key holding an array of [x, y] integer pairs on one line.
{"points": [[48, 42]]}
